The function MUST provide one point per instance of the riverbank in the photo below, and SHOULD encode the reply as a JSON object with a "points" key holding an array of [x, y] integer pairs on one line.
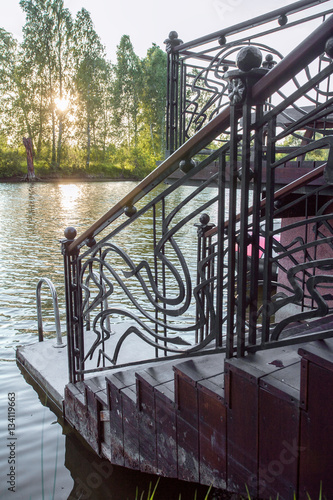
{"points": [[68, 178]]}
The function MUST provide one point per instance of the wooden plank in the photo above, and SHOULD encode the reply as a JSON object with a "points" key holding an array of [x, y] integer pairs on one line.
{"points": [[166, 435], [319, 352], [115, 382], [279, 428], [130, 427], [242, 396], [212, 432], [74, 405], [93, 427], [147, 380], [316, 445], [147, 426], [187, 375]]}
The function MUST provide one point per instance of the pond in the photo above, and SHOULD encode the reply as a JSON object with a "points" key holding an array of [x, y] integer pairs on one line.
{"points": [[51, 461]]}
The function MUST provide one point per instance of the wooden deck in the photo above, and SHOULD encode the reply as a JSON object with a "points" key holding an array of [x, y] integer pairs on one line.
{"points": [[264, 420]]}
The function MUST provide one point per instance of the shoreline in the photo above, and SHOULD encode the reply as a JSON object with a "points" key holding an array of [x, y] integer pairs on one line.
{"points": [[18, 179]]}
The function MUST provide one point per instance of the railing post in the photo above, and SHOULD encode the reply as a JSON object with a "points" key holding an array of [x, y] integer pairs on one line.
{"points": [[204, 273], [172, 110], [240, 86], [73, 305]]}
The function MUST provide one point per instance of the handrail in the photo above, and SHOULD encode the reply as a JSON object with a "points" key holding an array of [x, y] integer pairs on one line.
{"points": [[251, 23], [55, 309], [301, 56]]}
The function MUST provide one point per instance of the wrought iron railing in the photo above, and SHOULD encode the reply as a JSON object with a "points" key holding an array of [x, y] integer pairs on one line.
{"points": [[177, 268], [197, 89]]}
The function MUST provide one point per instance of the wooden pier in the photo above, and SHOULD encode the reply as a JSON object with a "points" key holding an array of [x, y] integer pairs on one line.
{"points": [[263, 420]]}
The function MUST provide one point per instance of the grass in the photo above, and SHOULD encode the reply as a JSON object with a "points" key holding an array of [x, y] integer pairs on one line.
{"points": [[151, 494], [277, 498]]}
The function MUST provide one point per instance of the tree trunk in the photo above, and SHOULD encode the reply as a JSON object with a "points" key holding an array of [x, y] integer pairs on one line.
{"points": [[30, 161], [88, 144]]}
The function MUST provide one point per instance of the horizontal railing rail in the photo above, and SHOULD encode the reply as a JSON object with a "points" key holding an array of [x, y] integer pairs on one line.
{"points": [[197, 91], [293, 8]]}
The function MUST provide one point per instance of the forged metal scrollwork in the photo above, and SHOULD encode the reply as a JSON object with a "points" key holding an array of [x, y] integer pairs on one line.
{"points": [[236, 91], [147, 310]]}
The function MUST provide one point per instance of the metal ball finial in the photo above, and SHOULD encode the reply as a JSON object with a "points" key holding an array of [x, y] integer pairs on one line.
{"points": [[204, 219], [70, 233], [329, 47], [222, 40], [187, 165], [283, 19], [248, 58]]}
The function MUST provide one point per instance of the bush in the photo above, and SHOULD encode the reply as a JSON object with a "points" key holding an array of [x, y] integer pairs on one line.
{"points": [[11, 164]]}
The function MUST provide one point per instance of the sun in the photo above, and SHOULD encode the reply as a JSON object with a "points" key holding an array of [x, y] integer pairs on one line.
{"points": [[61, 104]]}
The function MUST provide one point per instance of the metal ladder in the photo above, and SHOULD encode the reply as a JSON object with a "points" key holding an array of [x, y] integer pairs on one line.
{"points": [[59, 342]]}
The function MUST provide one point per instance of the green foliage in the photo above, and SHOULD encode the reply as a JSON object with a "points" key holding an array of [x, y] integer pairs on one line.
{"points": [[115, 118]]}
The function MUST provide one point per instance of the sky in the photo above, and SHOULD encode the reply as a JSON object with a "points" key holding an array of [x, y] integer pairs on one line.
{"points": [[150, 21]]}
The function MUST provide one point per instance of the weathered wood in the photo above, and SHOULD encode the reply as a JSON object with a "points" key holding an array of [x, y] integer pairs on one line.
{"points": [[75, 410], [266, 428], [130, 427], [147, 426], [279, 427], [316, 442], [187, 375], [242, 396], [93, 429], [166, 431], [147, 380], [212, 432], [115, 382]]}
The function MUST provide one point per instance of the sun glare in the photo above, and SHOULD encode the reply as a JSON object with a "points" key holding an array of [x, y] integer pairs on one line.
{"points": [[61, 104]]}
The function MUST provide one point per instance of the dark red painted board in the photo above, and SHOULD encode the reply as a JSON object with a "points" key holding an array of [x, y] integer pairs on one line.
{"points": [[316, 452], [279, 427], [212, 432]]}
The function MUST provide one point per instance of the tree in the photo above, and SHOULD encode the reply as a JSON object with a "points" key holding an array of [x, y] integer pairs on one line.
{"points": [[92, 73], [153, 100], [47, 32], [127, 90]]}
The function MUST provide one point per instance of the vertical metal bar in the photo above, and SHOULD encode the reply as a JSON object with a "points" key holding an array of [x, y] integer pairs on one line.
{"points": [[205, 276], [242, 298], [156, 274], [269, 214], [254, 274], [168, 104], [220, 249], [174, 103], [210, 288], [78, 316], [182, 103], [232, 233], [69, 312], [200, 292], [164, 276]]}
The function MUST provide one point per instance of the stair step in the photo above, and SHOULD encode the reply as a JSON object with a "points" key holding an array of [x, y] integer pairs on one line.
{"points": [[200, 368], [246, 398], [279, 394]]}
